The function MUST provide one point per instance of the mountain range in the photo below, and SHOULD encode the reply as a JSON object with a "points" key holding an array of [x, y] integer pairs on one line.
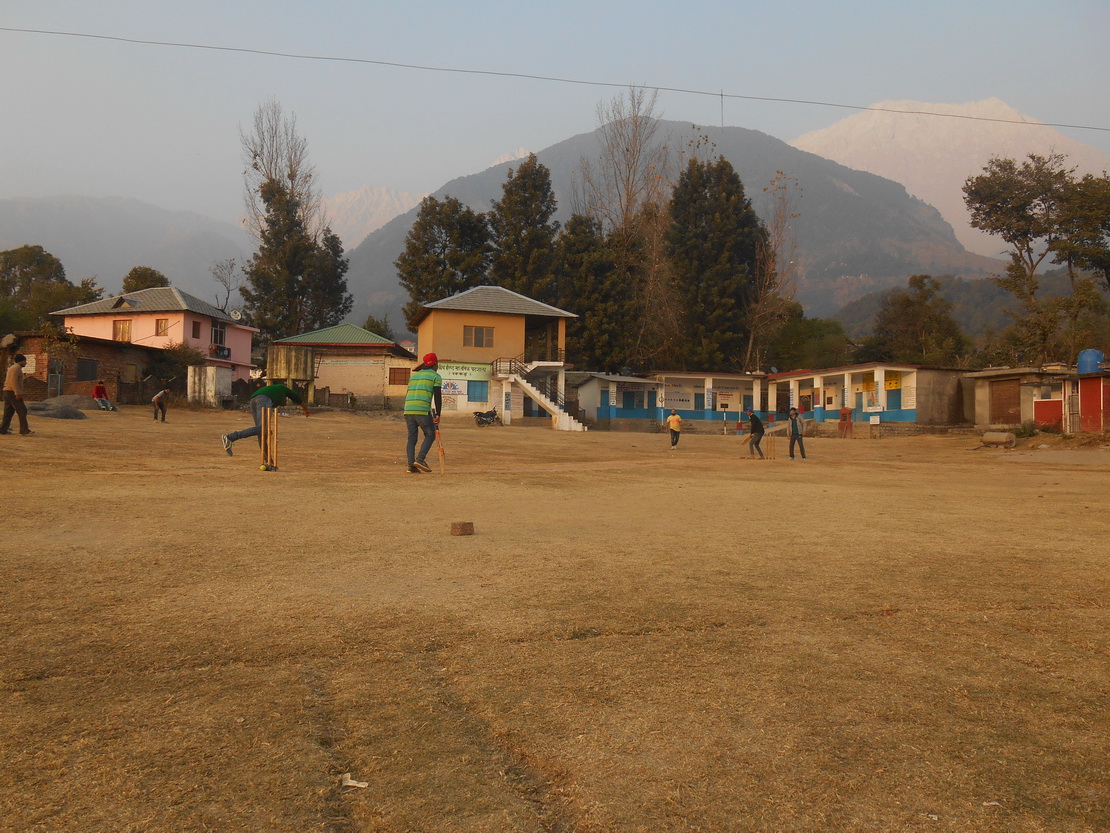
{"points": [[933, 156], [105, 238], [857, 232], [863, 226]]}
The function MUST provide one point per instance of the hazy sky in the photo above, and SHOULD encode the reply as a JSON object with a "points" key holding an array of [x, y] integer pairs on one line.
{"points": [[103, 117]]}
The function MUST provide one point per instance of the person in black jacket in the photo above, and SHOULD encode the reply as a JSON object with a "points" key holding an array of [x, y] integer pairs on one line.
{"points": [[757, 433]]}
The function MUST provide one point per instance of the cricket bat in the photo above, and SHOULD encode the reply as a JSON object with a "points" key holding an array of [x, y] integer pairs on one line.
{"points": [[442, 453]]}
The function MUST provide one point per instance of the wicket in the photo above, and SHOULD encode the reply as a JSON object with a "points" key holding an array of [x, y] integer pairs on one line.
{"points": [[269, 439]]}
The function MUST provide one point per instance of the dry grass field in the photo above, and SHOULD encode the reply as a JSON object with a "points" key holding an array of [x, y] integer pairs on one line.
{"points": [[897, 635]]}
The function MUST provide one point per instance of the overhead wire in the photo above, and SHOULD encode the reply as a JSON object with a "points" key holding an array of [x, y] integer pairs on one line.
{"points": [[550, 78]]}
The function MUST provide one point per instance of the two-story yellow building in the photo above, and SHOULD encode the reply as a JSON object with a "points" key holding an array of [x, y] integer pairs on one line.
{"points": [[499, 349]]}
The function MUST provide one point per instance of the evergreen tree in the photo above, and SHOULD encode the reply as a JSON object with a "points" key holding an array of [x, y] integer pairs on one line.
{"points": [[589, 285], [143, 277], [33, 284], [916, 327], [293, 284], [380, 327], [713, 241], [522, 233], [808, 343], [327, 300], [446, 251]]}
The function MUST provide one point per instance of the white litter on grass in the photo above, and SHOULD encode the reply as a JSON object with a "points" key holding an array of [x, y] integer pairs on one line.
{"points": [[348, 782]]}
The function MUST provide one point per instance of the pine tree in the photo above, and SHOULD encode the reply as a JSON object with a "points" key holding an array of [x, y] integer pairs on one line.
{"points": [[446, 251], [589, 284], [293, 284], [522, 232], [713, 241], [33, 284]]}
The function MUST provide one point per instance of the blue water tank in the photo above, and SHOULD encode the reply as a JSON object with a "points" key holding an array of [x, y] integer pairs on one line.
{"points": [[1089, 360]]}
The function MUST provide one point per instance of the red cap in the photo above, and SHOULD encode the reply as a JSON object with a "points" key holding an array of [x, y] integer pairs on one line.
{"points": [[430, 359]]}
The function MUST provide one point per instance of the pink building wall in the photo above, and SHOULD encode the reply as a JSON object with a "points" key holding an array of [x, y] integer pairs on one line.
{"points": [[179, 330]]}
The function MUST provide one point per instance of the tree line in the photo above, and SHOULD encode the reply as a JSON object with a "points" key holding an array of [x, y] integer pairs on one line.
{"points": [[679, 273], [663, 270]]}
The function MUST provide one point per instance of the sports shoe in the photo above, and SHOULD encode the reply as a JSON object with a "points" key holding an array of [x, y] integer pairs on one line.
{"points": [[227, 445], [413, 470], [424, 467]]}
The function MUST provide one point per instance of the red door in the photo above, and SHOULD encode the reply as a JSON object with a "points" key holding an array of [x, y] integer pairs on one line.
{"points": [[1090, 404]]}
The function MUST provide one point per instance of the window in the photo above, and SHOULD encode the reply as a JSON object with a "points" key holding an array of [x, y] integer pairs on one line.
{"points": [[219, 332], [132, 373], [477, 336], [121, 330], [477, 391], [87, 370], [161, 326], [399, 375], [196, 329]]}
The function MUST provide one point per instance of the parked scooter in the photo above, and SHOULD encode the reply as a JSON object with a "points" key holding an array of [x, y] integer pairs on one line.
{"points": [[484, 418]]}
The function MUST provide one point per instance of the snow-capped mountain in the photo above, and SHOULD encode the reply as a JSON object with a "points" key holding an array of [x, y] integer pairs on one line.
{"points": [[354, 214], [932, 156]]}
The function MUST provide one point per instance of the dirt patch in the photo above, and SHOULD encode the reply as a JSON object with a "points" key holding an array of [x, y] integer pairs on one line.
{"points": [[894, 635]]}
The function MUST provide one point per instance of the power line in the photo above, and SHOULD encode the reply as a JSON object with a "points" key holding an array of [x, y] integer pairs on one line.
{"points": [[551, 78]]}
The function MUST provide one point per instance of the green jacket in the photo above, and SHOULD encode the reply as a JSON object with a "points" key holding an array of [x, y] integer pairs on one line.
{"points": [[278, 394]]}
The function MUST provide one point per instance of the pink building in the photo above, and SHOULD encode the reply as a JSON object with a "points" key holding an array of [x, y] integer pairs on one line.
{"points": [[165, 316]]}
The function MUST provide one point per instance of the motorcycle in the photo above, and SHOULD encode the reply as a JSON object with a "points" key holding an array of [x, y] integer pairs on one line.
{"points": [[484, 418]]}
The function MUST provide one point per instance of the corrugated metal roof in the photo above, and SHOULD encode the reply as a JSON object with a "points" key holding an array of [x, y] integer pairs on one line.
{"points": [[498, 299], [155, 299], [339, 334]]}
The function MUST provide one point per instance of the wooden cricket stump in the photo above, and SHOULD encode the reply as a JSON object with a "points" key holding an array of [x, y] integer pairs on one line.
{"points": [[462, 528], [269, 439], [770, 446]]}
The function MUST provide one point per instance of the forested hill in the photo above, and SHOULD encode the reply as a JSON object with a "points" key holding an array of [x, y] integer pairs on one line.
{"points": [[977, 305], [856, 232]]}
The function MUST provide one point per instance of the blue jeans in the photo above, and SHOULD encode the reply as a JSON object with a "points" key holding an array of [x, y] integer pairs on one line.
{"points": [[416, 423], [257, 404]]}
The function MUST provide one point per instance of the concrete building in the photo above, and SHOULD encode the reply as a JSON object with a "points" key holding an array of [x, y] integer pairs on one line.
{"points": [[883, 392], [164, 316], [498, 348], [1057, 397]]}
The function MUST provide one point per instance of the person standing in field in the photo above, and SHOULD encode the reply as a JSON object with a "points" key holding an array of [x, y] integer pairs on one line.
{"points": [[268, 396], [423, 404], [757, 431], [13, 396], [159, 402], [797, 430], [674, 423]]}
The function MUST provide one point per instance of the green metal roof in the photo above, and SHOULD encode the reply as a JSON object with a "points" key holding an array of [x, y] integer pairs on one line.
{"points": [[339, 334]]}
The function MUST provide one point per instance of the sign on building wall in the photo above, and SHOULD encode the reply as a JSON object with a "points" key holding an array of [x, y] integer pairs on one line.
{"points": [[454, 387], [909, 397], [462, 370], [893, 380]]}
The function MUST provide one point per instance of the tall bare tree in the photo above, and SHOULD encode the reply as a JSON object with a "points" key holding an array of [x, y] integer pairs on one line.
{"points": [[273, 151], [775, 279], [625, 189], [225, 273], [634, 168]]}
